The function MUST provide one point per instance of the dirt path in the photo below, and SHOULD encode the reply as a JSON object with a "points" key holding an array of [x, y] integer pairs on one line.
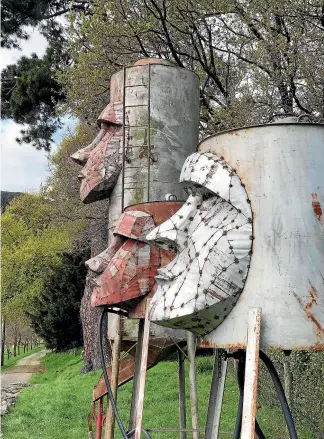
{"points": [[15, 378]]}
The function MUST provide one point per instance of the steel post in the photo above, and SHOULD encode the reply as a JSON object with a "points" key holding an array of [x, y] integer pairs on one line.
{"points": [[251, 374], [110, 420], [216, 396], [191, 342], [182, 395]]}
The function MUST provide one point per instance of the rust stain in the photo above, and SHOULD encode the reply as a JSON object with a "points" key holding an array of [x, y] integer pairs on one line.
{"points": [[205, 344], [319, 330], [319, 327], [317, 208]]}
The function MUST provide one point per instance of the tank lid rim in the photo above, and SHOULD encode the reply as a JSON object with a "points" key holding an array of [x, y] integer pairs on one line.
{"points": [[303, 124]]}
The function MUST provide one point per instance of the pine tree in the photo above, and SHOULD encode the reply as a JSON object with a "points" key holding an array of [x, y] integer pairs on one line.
{"points": [[56, 313]]}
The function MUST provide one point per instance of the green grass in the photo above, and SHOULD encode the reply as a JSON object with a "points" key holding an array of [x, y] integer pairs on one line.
{"points": [[58, 405], [13, 360]]}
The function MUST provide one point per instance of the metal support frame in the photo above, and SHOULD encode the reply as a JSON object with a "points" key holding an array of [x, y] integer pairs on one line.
{"points": [[251, 374], [110, 418], [191, 343], [138, 356], [182, 395], [216, 396], [142, 375]]}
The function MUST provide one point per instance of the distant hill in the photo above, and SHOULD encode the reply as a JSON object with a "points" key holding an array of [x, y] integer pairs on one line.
{"points": [[6, 197]]}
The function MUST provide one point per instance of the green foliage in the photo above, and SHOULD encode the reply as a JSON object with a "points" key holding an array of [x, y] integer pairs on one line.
{"points": [[61, 402], [55, 315], [254, 62], [32, 245], [307, 390], [17, 14], [31, 93], [6, 197]]}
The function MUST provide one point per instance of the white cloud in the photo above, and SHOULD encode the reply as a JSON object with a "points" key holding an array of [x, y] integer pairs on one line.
{"points": [[35, 44], [23, 168]]}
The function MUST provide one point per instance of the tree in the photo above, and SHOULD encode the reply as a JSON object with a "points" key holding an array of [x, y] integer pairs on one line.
{"points": [[64, 189], [31, 250], [17, 14], [31, 94], [6, 197], [55, 314], [255, 60]]}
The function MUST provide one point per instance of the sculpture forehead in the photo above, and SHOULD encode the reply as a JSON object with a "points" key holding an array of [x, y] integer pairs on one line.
{"points": [[205, 170], [135, 225], [138, 220], [113, 113], [212, 172]]}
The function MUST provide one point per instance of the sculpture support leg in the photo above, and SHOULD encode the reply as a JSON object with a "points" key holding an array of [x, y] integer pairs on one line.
{"points": [[216, 396], [191, 342], [110, 421], [138, 356], [142, 375], [182, 395], [251, 374]]}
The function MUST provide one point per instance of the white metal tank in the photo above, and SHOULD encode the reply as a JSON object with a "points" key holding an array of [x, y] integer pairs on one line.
{"points": [[282, 168]]}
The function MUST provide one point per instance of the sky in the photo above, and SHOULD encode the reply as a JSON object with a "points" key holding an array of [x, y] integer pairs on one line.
{"points": [[23, 168]]}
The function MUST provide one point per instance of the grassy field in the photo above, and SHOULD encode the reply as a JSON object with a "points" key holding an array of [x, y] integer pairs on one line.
{"points": [[58, 405], [13, 360]]}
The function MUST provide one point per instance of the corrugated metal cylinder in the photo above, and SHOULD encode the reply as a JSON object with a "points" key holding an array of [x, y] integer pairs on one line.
{"points": [[161, 122], [281, 167]]}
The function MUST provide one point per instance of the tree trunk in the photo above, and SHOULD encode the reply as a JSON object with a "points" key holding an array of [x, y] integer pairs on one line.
{"points": [[98, 231], [3, 337], [15, 349], [90, 325]]}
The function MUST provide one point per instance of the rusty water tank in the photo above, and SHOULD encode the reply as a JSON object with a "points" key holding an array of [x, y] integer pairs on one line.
{"points": [[161, 123], [282, 168]]}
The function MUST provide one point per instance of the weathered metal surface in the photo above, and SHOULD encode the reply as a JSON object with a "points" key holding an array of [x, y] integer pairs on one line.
{"points": [[251, 374], [212, 237], [110, 416], [98, 417], [134, 224], [281, 167], [182, 395], [102, 159], [161, 122], [191, 346], [130, 268], [216, 397], [137, 364], [142, 376]]}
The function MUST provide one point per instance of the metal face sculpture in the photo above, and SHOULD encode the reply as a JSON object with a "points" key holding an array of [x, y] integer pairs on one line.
{"points": [[102, 159], [129, 265], [212, 237]]}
